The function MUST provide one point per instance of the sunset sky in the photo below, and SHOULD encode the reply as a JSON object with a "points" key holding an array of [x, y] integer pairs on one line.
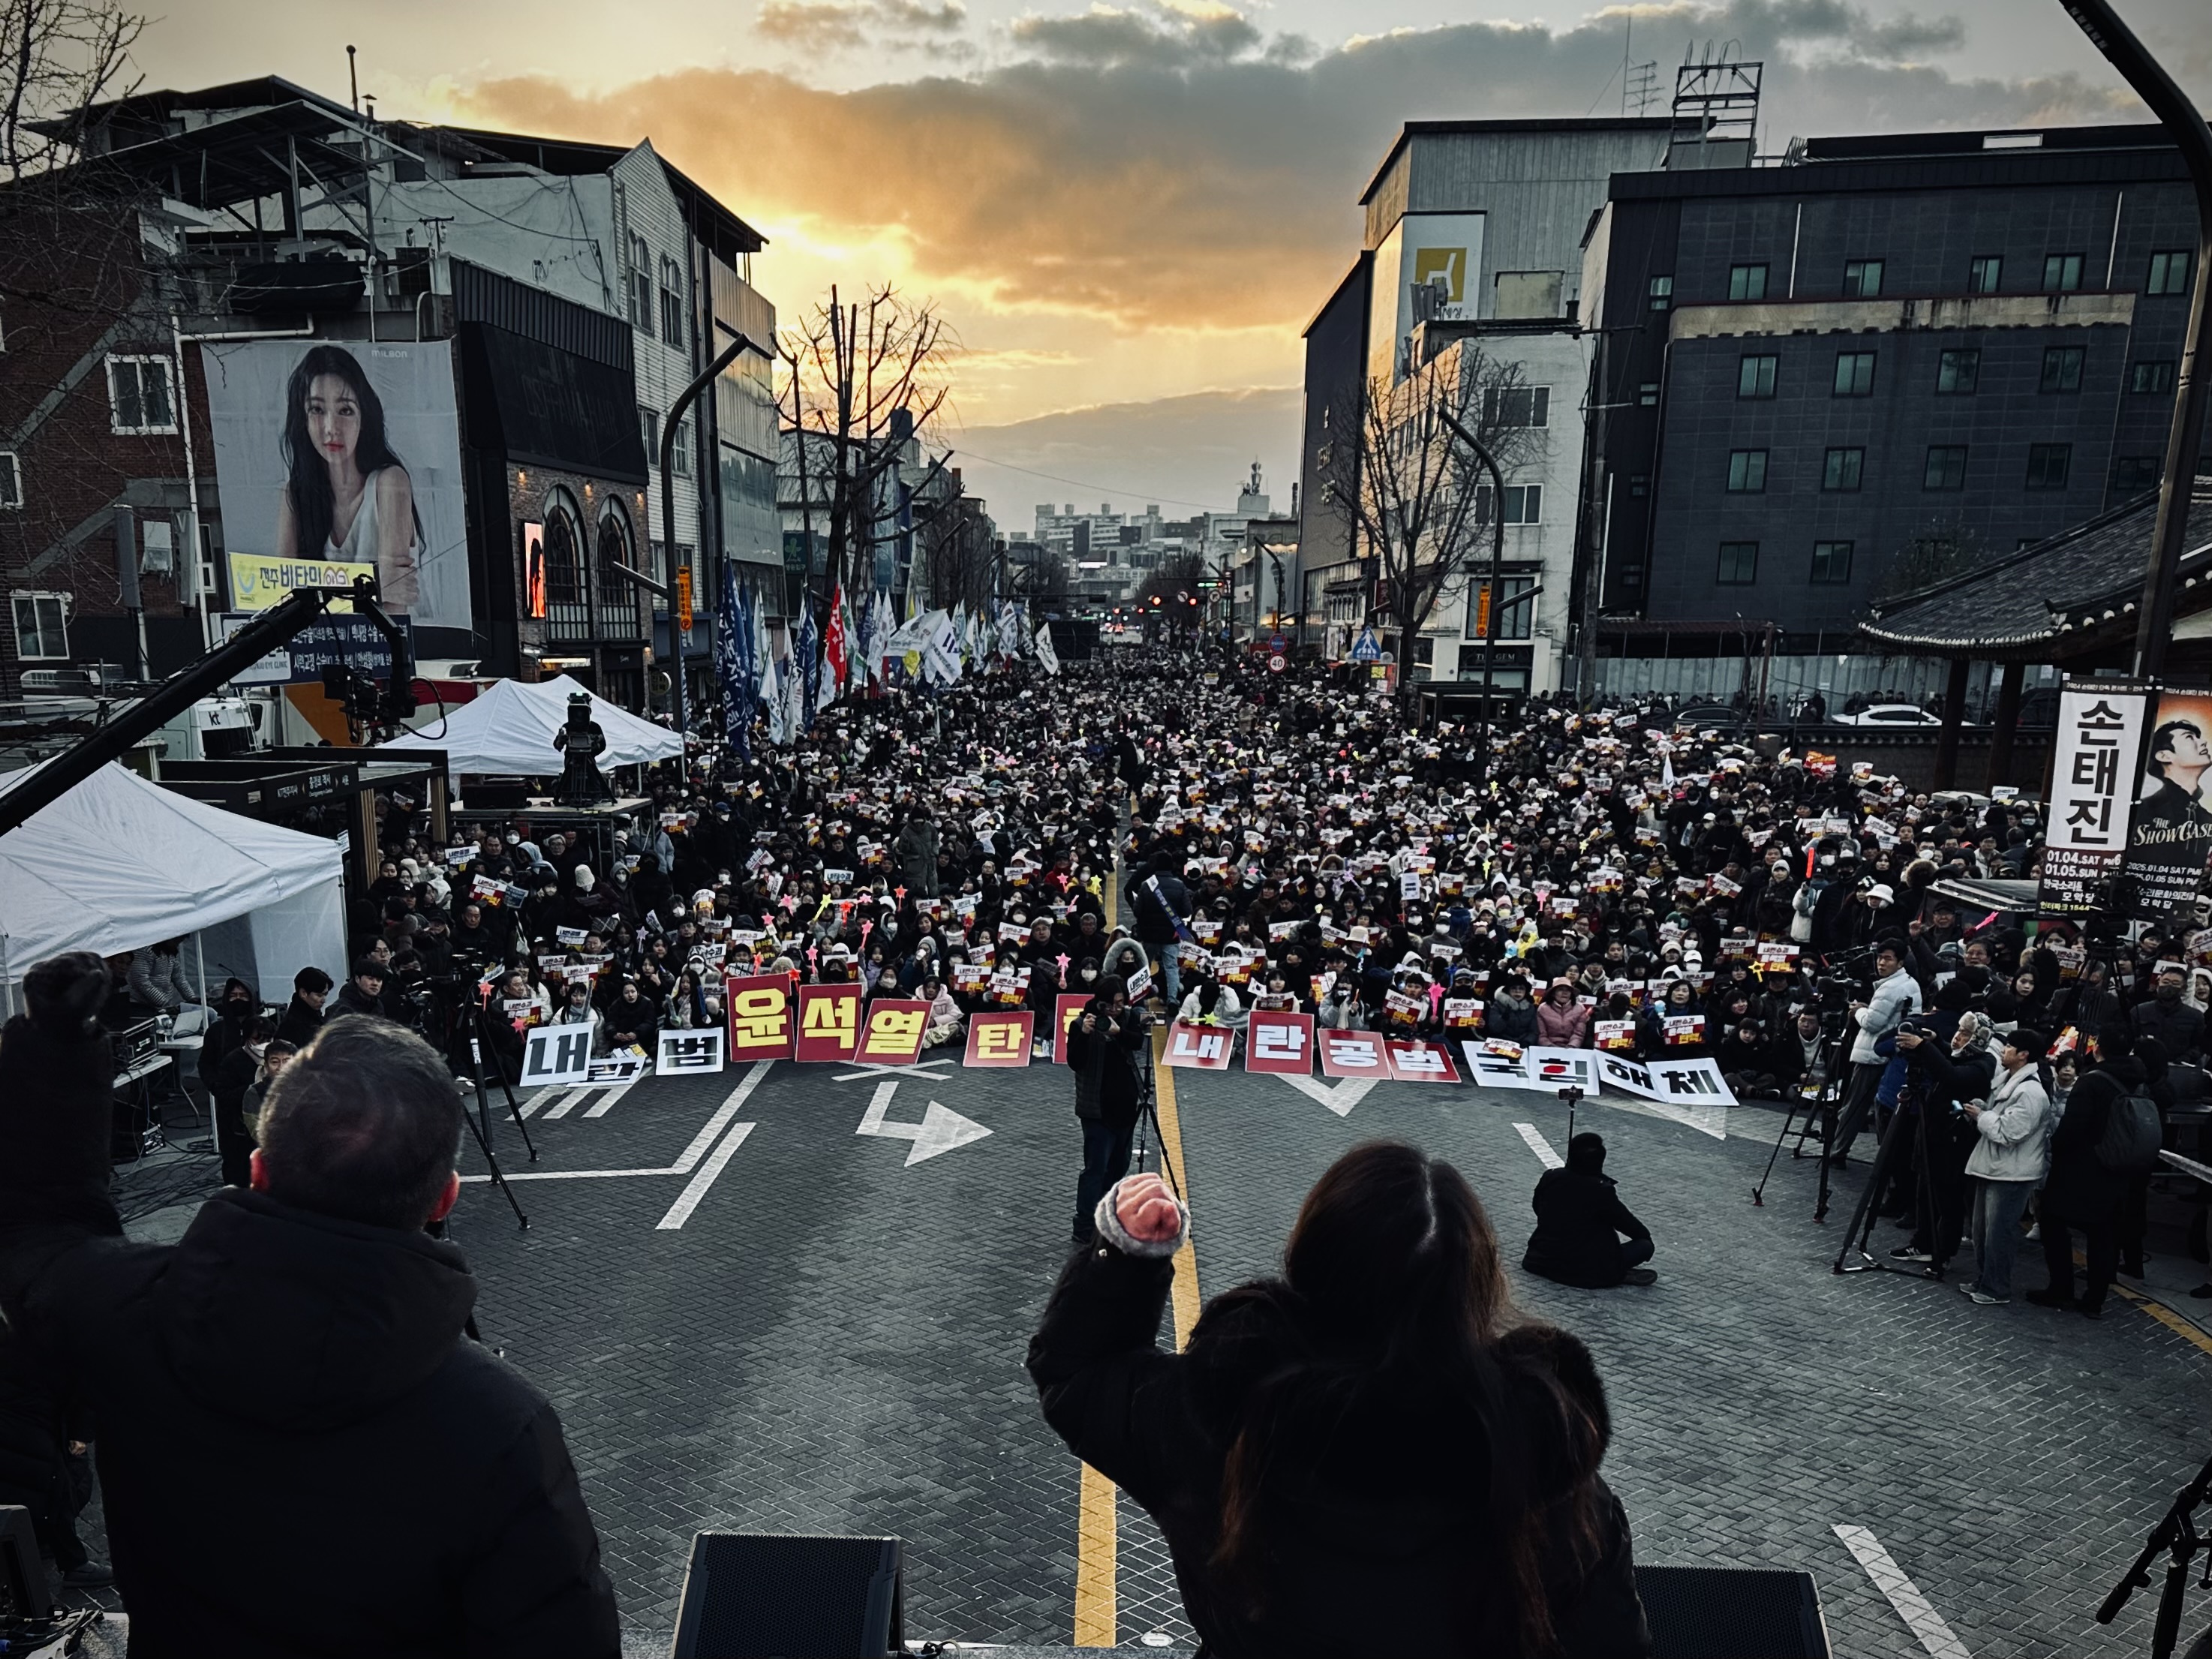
{"points": [[1126, 212]]}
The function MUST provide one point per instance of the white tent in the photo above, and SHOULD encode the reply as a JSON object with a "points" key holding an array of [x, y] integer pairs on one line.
{"points": [[119, 864], [509, 729]]}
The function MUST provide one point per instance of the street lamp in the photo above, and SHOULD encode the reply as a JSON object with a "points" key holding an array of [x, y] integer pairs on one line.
{"points": [[1497, 581]]}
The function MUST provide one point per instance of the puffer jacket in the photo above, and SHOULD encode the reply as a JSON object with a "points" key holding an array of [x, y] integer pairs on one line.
{"points": [[2014, 1138]]}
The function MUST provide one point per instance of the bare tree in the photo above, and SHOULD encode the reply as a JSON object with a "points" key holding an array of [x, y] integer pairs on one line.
{"points": [[1169, 595], [864, 379], [58, 59], [1411, 491]]}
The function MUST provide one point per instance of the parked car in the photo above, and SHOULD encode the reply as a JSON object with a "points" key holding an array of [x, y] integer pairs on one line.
{"points": [[1710, 717], [1892, 714]]}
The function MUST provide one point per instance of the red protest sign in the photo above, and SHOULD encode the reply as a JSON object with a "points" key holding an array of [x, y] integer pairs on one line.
{"points": [[1065, 1008], [1204, 1047], [1421, 1062], [1275, 1041], [893, 1032], [1352, 1054], [829, 1023], [999, 1039], [761, 1024]]}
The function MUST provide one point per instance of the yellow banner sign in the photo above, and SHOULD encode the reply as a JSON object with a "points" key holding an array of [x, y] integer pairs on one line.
{"points": [[257, 582]]}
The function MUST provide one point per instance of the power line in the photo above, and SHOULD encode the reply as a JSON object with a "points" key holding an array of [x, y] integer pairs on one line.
{"points": [[1082, 483]]}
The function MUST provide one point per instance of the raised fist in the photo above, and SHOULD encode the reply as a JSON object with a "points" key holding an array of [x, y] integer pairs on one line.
{"points": [[64, 993]]}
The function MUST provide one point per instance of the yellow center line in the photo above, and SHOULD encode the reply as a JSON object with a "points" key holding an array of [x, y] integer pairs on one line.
{"points": [[1182, 1295], [1094, 1551]]}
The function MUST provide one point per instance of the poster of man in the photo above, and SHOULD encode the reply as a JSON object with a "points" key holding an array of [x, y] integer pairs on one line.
{"points": [[2170, 835], [337, 457]]}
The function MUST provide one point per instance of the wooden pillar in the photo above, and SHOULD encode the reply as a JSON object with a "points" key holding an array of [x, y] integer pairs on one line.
{"points": [[2003, 724], [364, 836], [1954, 711]]}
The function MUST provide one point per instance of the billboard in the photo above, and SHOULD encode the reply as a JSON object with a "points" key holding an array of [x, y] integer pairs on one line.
{"points": [[2093, 788], [1440, 252], [2170, 831], [337, 456]]}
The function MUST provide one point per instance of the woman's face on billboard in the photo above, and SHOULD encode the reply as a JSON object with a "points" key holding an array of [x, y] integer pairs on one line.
{"points": [[333, 418]]}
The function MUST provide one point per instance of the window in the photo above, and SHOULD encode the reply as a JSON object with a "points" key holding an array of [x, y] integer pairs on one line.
{"points": [[1639, 485], [1746, 282], [2062, 369], [1843, 469], [1515, 611], [1647, 395], [138, 395], [641, 285], [11, 479], [648, 427], [2136, 474], [564, 558], [1946, 467], [1861, 278], [1524, 503], [1739, 565], [1754, 377], [1661, 292], [2061, 273], [1854, 374], [1957, 372], [1746, 474], [2154, 376], [42, 627], [1518, 406], [682, 447], [672, 330], [1984, 272], [1831, 563], [2048, 464], [2169, 272]]}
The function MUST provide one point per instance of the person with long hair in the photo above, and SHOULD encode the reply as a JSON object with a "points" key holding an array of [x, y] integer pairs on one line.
{"points": [[1372, 1453], [347, 495]]}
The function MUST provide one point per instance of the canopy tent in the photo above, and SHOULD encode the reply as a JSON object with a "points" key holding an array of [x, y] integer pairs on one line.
{"points": [[119, 864], [509, 729]]}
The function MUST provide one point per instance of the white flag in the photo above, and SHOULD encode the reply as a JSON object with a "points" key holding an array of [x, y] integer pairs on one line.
{"points": [[1046, 655]]}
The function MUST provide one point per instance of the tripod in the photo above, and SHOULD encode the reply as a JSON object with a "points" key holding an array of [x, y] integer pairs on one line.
{"points": [[1820, 1107], [2176, 1537], [1863, 1216], [480, 1124], [1148, 1112]]}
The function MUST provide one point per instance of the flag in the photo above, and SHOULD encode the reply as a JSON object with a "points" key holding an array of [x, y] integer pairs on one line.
{"points": [[833, 651], [862, 668], [879, 642], [730, 638], [771, 695], [1048, 659], [1011, 630], [806, 665]]}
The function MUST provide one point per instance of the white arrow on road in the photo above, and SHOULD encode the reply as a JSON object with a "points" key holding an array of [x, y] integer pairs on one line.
{"points": [[940, 1130], [1348, 1092]]}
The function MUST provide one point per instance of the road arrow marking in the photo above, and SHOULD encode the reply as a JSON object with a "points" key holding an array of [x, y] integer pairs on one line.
{"points": [[1347, 1093], [940, 1130], [868, 1068]]}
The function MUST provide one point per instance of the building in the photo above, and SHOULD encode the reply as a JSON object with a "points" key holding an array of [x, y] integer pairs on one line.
{"points": [[1472, 243], [1823, 383], [522, 309]]}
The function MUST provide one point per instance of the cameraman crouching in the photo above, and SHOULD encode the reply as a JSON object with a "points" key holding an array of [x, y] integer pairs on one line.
{"points": [[1101, 1050], [300, 1453]]}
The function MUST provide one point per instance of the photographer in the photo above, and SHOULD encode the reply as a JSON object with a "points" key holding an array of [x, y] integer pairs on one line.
{"points": [[1103, 1047], [294, 1371], [1894, 994], [1943, 1077], [1373, 1453]]}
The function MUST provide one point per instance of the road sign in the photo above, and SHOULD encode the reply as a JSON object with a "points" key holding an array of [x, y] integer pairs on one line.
{"points": [[1364, 649], [1278, 644], [1277, 663]]}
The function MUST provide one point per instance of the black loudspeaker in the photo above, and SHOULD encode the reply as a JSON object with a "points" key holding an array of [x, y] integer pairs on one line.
{"points": [[23, 1593], [1732, 1613], [768, 1595]]}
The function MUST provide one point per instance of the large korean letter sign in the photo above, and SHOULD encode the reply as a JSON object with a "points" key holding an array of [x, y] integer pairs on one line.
{"points": [[762, 1025], [1277, 1040], [1203, 1046], [2093, 790], [557, 1054]]}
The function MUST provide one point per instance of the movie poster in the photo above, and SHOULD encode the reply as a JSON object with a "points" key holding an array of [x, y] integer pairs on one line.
{"points": [[2170, 835], [334, 457], [2100, 740]]}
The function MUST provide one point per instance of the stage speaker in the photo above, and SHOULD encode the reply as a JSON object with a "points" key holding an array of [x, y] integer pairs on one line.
{"points": [[767, 1595], [23, 1592], [1732, 1613]]}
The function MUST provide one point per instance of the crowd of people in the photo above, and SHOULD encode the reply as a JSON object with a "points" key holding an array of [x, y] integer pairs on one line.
{"points": [[1222, 838]]}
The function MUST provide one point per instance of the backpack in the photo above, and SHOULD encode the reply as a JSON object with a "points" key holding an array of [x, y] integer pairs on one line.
{"points": [[2132, 1133]]}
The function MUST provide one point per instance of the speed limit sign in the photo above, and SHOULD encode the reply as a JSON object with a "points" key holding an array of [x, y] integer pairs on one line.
{"points": [[1277, 663]]}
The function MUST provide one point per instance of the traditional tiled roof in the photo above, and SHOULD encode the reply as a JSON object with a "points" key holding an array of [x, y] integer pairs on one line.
{"points": [[2051, 592]]}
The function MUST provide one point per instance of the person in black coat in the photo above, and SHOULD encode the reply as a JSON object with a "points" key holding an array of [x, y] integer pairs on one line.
{"points": [[1580, 1223], [1942, 1074], [1369, 1454], [2079, 1191], [303, 1015], [233, 1077], [1103, 1044], [294, 1372]]}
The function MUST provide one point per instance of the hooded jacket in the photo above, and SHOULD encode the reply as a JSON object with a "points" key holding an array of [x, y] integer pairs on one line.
{"points": [[299, 1451]]}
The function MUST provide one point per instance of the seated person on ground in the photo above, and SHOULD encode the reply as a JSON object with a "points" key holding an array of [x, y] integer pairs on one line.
{"points": [[1580, 1223]]}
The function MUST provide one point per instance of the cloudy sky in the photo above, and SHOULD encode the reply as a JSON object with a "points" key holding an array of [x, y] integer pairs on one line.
{"points": [[1126, 212]]}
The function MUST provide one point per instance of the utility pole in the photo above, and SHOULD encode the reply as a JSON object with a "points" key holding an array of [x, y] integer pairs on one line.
{"points": [[684, 400], [1496, 583], [2184, 440]]}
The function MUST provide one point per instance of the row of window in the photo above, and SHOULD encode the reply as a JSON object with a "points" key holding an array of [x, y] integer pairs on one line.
{"points": [[2062, 274], [675, 323], [1957, 373], [649, 426], [1739, 564], [1843, 469]]}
